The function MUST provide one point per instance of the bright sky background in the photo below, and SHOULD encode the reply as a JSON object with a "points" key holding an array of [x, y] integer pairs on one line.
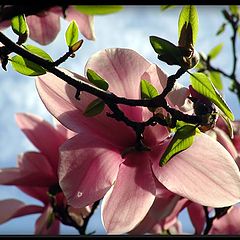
{"points": [[129, 28]]}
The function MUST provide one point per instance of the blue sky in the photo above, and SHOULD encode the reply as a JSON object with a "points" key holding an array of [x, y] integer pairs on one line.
{"points": [[129, 28]]}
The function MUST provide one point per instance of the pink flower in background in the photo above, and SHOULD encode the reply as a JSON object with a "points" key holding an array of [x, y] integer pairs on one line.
{"points": [[45, 26], [222, 133], [162, 216], [229, 224], [91, 165], [36, 173]]}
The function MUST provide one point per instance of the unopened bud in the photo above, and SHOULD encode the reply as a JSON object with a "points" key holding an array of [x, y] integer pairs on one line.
{"points": [[190, 58]]}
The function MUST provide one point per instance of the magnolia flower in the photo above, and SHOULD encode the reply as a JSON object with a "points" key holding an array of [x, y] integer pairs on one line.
{"points": [[91, 164], [36, 174], [44, 27], [228, 224], [162, 216]]}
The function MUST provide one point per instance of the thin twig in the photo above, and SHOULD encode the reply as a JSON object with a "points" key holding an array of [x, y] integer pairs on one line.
{"points": [[209, 221]]}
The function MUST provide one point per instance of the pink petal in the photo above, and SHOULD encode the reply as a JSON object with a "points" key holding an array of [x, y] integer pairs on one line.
{"points": [[236, 142], [43, 29], [12, 208], [197, 216], [131, 197], [63, 130], [85, 22], [171, 218], [59, 99], [156, 76], [122, 68], [33, 170], [5, 24], [88, 168], [228, 224], [224, 139], [177, 97], [41, 225], [205, 173], [44, 136], [161, 208], [39, 193], [236, 132]]}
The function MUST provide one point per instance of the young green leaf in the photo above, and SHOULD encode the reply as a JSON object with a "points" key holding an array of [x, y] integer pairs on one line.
{"points": [[215, 51], [148, 91], [97, 80], [166, 50], [94, 108], [188, 25], [19, 25], [98, 9], [71, 34], [38, 51], [234, 9], [182, 139], [165, 7], [216, 80], [221, 29], [202, 84], [26, 67]]}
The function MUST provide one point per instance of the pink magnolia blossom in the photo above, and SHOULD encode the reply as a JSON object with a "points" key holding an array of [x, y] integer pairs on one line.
{"points": [[45, 26], [91, 165], [36, 173], [162, 216], [228, 224]]}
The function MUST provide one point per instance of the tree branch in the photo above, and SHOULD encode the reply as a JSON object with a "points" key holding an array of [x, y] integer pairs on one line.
{"points": [[109, 98]]}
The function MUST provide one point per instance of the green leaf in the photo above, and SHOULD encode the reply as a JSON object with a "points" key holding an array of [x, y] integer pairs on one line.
{"points": [[188, 24], [27, 67], [216, 80], [98, 9], [148, 91], [19, 25], [215, 51], [162, 46], [38, 51], [182, 139], [71, 34], [202, 84], [166, 50], [234, 9], [165, 7], [97, 80], [94, 108], [221, 29]]}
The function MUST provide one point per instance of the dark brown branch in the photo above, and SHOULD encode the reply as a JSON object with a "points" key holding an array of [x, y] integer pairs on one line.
{"points": [[234, 21], [209, 221], [170, 82], [83, 85], [63, 58], [86, 220], [234, 25]]}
